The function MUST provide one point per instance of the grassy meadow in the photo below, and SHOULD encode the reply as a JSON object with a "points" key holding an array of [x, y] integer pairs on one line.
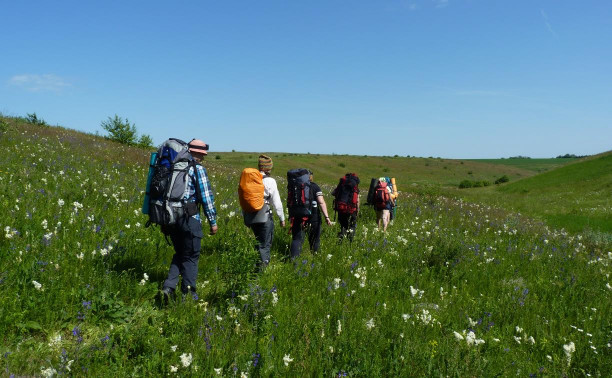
{"points": [[460, 285]]}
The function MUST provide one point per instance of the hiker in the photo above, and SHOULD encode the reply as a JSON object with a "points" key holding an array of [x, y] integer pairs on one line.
{"points": [[383, 203], [263, 224], [346, 205], [187, 235], [306, 222]]}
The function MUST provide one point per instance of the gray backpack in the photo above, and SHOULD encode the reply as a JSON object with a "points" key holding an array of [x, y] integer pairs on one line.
{"points": [[169, 185]]}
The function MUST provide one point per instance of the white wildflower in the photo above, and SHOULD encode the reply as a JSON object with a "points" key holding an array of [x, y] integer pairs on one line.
{"points": [[48, 372], [517, 339], [569, 349], [519, 329], [186, 359], [173, 369], [339, 327], [80, 256], [60, 202], [37, 285], [274, 298], [370, 324], [329, 256], [219, 318], [218, 371], [458, 336], [173, 348], [531, 340], [287, 359], [337, 283], [44, 224]]}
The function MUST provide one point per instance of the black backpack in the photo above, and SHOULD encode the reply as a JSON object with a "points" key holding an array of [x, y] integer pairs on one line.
{"points": [[299, 193], [347, 194]]}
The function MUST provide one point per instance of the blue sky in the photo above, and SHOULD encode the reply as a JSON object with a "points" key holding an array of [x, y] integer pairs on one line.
{"points": [[448, 78]]}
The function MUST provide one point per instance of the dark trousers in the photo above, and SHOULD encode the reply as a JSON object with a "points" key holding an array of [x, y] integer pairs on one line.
{"points": [[186, 239], [348, 222], [264, 233], [298, 230]]}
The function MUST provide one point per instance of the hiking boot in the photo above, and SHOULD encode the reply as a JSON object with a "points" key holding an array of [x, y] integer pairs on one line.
{"points": [[166, 294]]}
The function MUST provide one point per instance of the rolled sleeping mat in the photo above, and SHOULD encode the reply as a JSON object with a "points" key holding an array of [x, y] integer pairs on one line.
{"points": [[370, 199], [145, 204], [395, 191]]}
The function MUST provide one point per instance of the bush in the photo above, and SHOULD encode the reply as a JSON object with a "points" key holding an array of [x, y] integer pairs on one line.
{"points": [[465, 184], [33, 120], [218, 157], [4, 126], [502, 180], [120, 131], [342, 165], [145, 141]]}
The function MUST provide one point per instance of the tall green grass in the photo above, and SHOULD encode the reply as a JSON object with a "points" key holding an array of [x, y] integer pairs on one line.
{"points": [[454, 288]]}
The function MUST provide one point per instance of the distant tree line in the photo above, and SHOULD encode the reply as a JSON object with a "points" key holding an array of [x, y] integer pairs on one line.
{"points": [[571, 156]]}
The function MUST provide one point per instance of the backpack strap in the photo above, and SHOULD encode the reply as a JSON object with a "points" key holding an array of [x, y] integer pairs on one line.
{"points": [[193, 164]]}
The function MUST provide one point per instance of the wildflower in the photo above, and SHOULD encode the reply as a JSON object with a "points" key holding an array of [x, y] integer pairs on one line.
{"points": [[60, 202], [287, 359], [173, 369], [339, 327], [37, 285], [531, 340], [186, 359], [470, 338], [144, 280], [173, 348], [519, 329], [219, 318], [218, 371], [48, 372], [337, 283], [569, 349], [405, 317], [517, 339], [331, 349], [243, 374], [329, 256], [549, 357], [44, 224], [274, 298], [370, 324], [458, 336]]}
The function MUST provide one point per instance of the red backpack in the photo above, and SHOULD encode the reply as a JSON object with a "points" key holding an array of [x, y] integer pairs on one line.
{"points": [[381, 196], [347, 194]]}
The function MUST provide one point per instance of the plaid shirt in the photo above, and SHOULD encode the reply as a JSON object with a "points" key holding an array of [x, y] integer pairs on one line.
{"points": [[207, 200]]}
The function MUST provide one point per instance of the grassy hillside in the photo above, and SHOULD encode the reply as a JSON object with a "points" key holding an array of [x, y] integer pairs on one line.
{"points": [[416, 173], [536, 165], [577, 196], [453, 289]]}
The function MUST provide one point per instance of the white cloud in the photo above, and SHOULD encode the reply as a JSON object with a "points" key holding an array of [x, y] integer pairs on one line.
{"points": [[441, 3], [550, 29], [39, 83]]}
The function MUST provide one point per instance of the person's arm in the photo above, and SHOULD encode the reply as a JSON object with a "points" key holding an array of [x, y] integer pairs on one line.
{"points": [[207, 199], [323, 207]]}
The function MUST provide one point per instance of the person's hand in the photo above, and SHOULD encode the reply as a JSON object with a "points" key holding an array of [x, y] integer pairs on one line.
{"points": [[283, 224], [329, 222], [213, 229]]}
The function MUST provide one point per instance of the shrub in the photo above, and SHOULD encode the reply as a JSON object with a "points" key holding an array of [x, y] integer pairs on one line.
{"points": [[4, 126], [342, 165], [465, 184], [33, 120], [502, 180], [218, 157], [145, 141], [120, 131]]}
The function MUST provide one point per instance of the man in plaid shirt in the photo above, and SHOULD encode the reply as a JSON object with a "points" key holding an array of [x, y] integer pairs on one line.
{"points": [[187, 237]]}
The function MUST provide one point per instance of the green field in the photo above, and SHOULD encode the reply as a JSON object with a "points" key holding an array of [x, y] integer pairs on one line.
{"points": [[460, 285], [536, 165]]}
